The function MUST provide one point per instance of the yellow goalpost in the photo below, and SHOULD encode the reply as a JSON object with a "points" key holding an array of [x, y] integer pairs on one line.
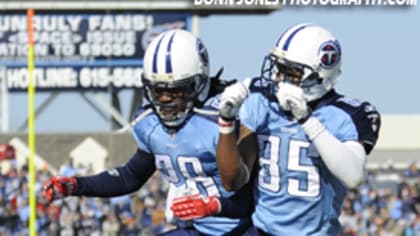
{"points": [[31, 125]]}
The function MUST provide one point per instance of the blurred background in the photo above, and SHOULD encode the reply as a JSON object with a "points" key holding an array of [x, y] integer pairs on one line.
{"points": [[88, 59]]}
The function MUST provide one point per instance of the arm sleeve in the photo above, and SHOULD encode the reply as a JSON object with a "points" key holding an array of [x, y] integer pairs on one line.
{"points": [[345, 160], [120, 180], [345, 153]]}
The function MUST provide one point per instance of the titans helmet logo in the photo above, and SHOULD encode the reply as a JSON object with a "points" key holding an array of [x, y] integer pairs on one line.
{"points": [[330, 54]]}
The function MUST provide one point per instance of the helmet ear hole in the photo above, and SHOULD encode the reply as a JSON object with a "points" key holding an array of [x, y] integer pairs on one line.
{"points": [[319, 79], [315, 76]]}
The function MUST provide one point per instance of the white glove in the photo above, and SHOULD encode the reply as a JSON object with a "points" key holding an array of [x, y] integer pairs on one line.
{"points": [[232, 98], [290, 98]]}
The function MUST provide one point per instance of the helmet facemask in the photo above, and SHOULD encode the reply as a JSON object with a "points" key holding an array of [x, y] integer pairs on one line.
{"points": [[174, 101], [281, 70]]}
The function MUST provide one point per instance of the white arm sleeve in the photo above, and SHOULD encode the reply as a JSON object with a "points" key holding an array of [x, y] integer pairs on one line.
{"points": [[346, 160]]}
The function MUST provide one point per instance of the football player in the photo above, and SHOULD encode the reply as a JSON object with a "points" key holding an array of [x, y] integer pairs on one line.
{"points": [[177, 134], [311, 143]]}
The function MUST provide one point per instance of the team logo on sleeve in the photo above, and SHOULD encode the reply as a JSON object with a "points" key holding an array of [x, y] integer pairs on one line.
{"points": [[113, 172], [330, 54]]}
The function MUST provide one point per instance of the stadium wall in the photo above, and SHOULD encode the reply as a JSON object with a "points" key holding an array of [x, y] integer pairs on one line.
{"points": [[398, 144], [102, 150]]}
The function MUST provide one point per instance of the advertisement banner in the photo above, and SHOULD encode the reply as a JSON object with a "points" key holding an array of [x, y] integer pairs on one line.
{"points": [[76, 51]]}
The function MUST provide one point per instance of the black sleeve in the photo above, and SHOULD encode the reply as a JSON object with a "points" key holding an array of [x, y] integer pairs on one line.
{"points": [[366, 119], [368, 122], [120, 180]]}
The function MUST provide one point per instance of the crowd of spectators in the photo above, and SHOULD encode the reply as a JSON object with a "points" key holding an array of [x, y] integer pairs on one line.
{"points": [[140, 214], [388, 203]]}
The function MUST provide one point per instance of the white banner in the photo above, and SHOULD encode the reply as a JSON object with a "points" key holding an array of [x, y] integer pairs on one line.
{"points": [[81, 51]]}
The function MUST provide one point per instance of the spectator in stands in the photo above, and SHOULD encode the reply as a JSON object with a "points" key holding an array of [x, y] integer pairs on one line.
{"points": [[412, 171], [110, 226], [358, 215], [68, 168]]}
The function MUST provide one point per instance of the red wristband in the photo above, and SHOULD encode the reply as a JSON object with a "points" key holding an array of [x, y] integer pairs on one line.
{"points": [[226, 127]]}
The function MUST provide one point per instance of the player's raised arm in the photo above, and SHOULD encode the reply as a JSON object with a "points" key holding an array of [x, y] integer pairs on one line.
{"points": [[235, 155]]}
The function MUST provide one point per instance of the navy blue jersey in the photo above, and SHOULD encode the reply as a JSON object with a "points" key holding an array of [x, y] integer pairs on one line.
{"points": [[187, 158], [295, 192]]}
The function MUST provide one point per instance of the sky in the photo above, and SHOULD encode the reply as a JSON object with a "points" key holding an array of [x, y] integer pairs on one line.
{"points": [[380, 60]]}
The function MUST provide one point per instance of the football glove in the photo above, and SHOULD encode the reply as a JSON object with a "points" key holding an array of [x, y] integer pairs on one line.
{"points": [[232, 98], [195, 206], [59, 187], [290, 98], [230, 102]]}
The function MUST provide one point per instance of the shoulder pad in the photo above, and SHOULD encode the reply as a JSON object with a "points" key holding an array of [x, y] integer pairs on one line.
{"points": [[210, 110], [212, 103], [140, 113], [366, 119], [350, 101]]}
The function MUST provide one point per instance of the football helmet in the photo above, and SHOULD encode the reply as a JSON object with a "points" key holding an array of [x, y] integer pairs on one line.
{"points": [[306, 55], [176, 75]]}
